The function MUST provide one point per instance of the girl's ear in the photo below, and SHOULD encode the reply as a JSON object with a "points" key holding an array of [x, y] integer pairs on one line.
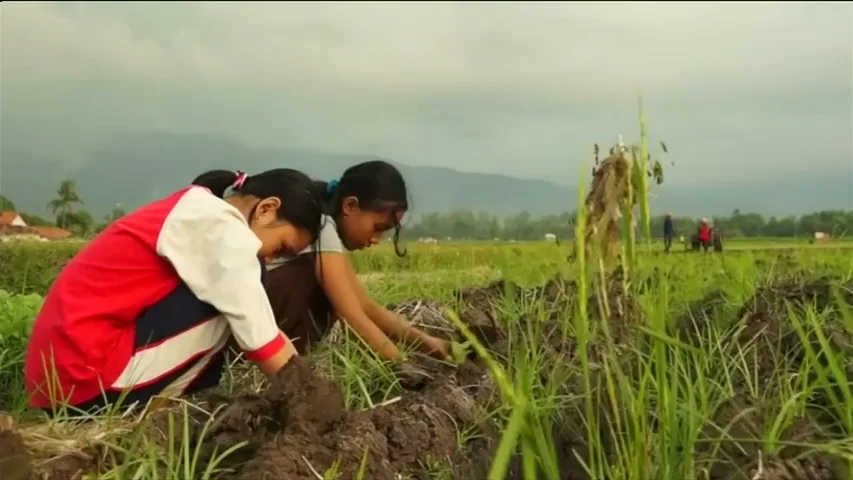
{"points": [[349, 205], [267, 210]]}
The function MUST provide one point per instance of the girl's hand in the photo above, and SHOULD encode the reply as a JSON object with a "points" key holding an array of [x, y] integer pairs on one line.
{"points": [[435, 347]]}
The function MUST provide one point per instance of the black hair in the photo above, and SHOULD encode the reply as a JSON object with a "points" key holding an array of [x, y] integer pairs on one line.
{"points": [[298, 193], [377, 185]]}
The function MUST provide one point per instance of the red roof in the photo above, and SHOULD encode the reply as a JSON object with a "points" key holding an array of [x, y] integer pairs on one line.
{"points": [[14, 230], [6, 218], [52, 233]]}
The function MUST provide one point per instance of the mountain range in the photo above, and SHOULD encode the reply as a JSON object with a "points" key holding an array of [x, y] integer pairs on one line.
{"points": [[133, 168]]}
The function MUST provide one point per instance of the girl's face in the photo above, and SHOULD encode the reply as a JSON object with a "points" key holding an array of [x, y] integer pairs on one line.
{"points": [[360, 228], [277, 236]]}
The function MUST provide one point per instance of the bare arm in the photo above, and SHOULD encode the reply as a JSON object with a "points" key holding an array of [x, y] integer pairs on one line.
{"points": [[336, 276], [390, 323]]}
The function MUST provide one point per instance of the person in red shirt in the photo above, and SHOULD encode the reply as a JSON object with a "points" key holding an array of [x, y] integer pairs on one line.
{"points": [[147, 307], [704, 234]]}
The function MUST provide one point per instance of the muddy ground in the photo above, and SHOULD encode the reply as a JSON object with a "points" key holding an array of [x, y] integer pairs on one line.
{"points": [[299, 426], [778, 350]]}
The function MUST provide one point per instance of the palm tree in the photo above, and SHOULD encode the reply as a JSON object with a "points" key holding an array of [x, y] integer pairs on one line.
{"points": [[62, 205]]}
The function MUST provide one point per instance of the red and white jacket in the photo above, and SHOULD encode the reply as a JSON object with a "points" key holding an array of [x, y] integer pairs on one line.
{"points": [[82, 341]]}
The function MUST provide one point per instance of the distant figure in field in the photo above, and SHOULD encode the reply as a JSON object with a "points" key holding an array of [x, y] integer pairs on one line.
{"points": [[704, 234], [668, 231]]}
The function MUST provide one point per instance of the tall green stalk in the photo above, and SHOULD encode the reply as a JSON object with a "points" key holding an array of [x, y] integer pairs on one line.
{"points": [[645, 216], [629, 246]]}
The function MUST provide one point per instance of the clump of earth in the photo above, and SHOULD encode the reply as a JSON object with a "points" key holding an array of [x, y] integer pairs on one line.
{"points": [[762, 327]]}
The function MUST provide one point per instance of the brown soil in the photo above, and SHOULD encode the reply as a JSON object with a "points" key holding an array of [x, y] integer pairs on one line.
{"points": [[485, 310], [763, 321], [481, 309], [737, 460], [777, 350], [299, 426], [765, 316], [698, 320], [15, 463]]}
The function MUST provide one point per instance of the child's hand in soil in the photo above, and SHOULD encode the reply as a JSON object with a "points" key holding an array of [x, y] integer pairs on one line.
{"points": [[436, 347], [410, 376]]}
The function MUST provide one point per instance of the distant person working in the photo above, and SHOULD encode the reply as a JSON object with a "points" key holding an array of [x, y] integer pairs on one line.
{"points": [[668, 231], [703, 234]]}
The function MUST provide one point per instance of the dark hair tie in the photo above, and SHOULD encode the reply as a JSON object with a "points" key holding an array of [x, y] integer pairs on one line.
{"points": [[332, 185]]}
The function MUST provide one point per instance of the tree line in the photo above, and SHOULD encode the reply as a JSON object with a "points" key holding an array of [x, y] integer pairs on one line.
{"points": [[68, 213], [524, 226]]}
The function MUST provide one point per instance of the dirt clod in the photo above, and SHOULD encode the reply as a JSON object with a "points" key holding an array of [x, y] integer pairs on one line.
{"points": [[380, 442], [15, 462], [775, 352], [299, 396]]}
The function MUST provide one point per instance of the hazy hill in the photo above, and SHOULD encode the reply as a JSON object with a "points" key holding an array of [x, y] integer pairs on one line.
{"points": [[133, 168]]}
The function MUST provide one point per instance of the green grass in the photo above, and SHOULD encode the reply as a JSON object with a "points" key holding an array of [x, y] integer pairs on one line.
{"points": [[657, 394], [30, 267], [16, 314]]}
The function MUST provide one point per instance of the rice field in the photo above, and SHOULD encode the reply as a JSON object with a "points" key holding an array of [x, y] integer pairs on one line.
{"points": [[689, 365]]}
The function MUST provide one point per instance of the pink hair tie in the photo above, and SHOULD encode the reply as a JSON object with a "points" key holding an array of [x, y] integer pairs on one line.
{"points": [[240, 180]]}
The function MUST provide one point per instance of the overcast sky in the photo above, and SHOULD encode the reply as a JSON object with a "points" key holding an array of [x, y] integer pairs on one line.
{"points": [[737, 90]]}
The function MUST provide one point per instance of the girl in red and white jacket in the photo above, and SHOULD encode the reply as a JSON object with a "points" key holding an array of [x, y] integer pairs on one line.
{"points": [[148, 306]]}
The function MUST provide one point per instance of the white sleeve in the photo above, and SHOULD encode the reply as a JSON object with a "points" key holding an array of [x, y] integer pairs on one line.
{"points": [[216, 254]]}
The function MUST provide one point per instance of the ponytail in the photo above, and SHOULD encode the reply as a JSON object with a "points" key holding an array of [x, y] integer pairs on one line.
{"points": [[217, 181], [328, 193]]}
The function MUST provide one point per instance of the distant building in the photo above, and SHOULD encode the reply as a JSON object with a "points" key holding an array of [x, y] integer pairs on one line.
{"points": [[12, 219], [13, 226], [14, 232], [52, 233], [550, 237]]}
